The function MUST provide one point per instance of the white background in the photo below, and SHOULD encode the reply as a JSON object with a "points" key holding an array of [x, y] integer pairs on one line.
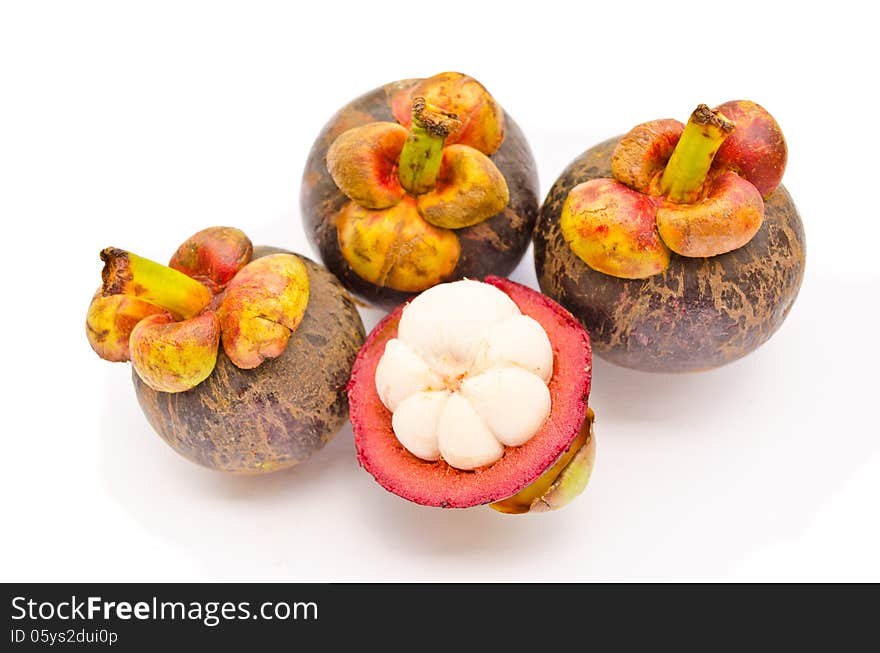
{"points": [[136, 124]]}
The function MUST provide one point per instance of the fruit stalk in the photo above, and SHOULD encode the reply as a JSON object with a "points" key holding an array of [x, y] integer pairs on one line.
{"points": [[423, 151], [686, 171], [125, 273]]}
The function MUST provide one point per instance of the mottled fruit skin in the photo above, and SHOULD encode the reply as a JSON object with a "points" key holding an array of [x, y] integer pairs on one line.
{"points": [[277, 415], [494, 246], [700, 313]]}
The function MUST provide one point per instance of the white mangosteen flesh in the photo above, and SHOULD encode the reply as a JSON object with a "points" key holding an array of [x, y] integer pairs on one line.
{"points": [[466, 376]]}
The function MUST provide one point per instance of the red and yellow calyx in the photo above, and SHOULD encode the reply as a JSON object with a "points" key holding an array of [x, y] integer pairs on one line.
{"points": [[410, 186], [693, 189], [169, 321]]}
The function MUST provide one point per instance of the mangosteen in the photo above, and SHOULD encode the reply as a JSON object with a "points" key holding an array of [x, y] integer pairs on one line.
{"points": [[476, 393], [416, 183], [240, 355], [675, 245]]}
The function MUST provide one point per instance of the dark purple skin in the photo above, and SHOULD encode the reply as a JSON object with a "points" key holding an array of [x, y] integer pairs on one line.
{"points": [[700, 313], [494, 246], [275, 415]]}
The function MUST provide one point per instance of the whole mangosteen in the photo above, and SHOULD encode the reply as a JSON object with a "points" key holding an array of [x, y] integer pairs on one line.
{"points": [[240, 355]]}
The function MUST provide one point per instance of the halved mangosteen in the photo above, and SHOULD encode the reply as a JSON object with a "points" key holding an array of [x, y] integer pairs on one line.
{"points": [[476, 393]]}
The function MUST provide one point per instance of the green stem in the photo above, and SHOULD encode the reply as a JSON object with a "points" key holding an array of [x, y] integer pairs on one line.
{"points": [[423, 151], [129, 274], [686, 171]]}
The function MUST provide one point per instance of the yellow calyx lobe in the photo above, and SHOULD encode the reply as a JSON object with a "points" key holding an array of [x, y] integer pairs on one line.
{"points": [[110, 320], [395, 247], [175, 356], [470, 189], [725, 219], [363, 164], [263, 305], [612, 228], [641, 155]]}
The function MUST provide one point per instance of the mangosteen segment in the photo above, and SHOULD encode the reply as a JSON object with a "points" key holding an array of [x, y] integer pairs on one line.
{"points": [[505, 344], [512, 401]]}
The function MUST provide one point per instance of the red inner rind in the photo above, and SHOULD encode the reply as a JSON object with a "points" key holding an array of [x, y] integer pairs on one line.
{"points": [[438, 484]]}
